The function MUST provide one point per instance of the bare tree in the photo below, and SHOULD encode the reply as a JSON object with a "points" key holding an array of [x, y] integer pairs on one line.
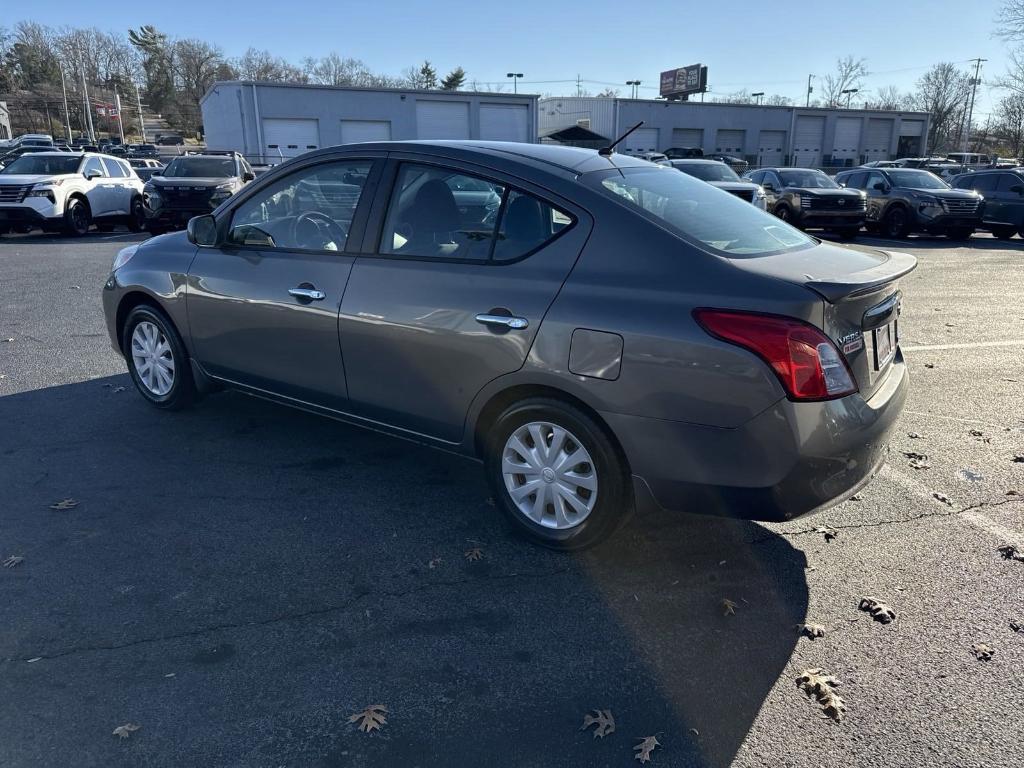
{"points": [[1010, 20], [775, 100], [942, 92], [608, 93], [889, 98], [1009, 127], [849, 74], [261, 65]]}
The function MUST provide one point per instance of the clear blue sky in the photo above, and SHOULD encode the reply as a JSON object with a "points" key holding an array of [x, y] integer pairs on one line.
{"points": [[767, 47]]}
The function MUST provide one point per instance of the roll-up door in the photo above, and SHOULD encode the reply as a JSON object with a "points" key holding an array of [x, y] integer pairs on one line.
{"points": [[846, 141], [355, 131], [642, 140], [730, 142], [289, 137], [442, 119], [878, 139], [771, 148], [688, 137], [808, 139], [504, 122]]}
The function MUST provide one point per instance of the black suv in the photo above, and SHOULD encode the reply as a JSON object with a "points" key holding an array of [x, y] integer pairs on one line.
{"points": [[1004, 199], [683, 153], [906, 200], [192, 185], [810, 199]]}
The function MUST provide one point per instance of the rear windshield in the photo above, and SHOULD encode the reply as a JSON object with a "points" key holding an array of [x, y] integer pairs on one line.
{"points": [[701, 213], [807, 180], [917, 180], [44, 165], [198, 167], [708, 171]]}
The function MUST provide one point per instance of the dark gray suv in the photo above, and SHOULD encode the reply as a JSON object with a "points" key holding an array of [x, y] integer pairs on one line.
{"points": [[1003, 191], [612, 333], [810, 199]]}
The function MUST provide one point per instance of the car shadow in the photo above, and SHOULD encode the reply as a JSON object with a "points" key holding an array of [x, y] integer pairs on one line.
{"points": [[240, 578], [119, 235], [937, 242]]}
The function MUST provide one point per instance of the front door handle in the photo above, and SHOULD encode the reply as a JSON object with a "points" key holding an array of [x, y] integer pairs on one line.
{"points": [[515, 323], [310, 294]]}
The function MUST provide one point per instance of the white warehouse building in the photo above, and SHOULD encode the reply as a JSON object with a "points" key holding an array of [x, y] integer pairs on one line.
{"points": [[269, 122], [761, 135]]}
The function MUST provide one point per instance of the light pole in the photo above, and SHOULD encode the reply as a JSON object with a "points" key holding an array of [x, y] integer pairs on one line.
{"points": [[810, 90], [759, 96], [64, 89], [635, 84], [515, 79], [849, 95]]}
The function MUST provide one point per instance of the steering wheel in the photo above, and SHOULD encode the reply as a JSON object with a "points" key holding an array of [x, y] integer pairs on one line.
{"points": [[327, 229]]}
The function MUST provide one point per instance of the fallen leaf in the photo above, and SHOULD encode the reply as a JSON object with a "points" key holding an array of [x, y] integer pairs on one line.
{"points": [[371, 718], [126, 730], [602, 720], [64, 504], [695, 732], [976, 433], [914, 436], [943, 498], [856, 497], [929, 365], [919, 464], [12, 561], [821, 685], [728, 607], [1013, 493], [474, 554], [115, 390], [811, 630], [645, 747], [879, 611], [75, 287], [969, 474], [434, 563], [33, 660], [1017, 627], [829, 533], [1010, 552], [915, 455], [1018, 458], [7, 341], [982, 652]]}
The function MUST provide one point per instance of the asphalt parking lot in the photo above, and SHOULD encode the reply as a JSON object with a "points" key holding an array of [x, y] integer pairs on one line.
{"points": [[240, 578]]}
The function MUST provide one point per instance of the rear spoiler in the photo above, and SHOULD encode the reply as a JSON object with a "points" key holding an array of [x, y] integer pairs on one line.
{"points": [[860, 283]]}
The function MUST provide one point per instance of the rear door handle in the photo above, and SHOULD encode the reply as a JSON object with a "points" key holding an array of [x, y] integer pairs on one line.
{"points": [[515, 323], [310, 294]]}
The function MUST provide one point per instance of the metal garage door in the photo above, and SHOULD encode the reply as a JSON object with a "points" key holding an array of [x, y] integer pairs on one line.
{"points": [[284, 138], [442, 119], [846, 142], [771, 148], [878, 139], [354, 131], [688, 137], [807, 140], [642, 140], [731, 142], [504, 122]]}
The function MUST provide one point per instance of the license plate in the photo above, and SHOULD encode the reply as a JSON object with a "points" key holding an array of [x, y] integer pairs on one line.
{"points": [[885, 344]]}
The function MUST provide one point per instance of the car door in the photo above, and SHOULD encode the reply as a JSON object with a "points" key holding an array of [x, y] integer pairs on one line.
{"points": [[119, 190], [1010, 190], [444, 301], [772, 186], [263, 308], [877, 197], [98, 188]]}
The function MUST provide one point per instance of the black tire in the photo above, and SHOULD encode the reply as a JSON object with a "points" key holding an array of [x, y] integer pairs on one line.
{"points": [[77, 217], [136, 216], [871, 228], [959, 233], [614, 503], [182, 391], [1004, 233], [783, 212], [896, 223]]}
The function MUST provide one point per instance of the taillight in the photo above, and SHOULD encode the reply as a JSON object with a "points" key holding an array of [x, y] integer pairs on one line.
{"points": [[805, 359]]}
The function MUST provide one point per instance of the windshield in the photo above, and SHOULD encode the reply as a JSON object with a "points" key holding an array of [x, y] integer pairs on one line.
{"points": [[917, 179], [709, 171], [43, 165], [199, 167], [715, 219], [807, 180]]}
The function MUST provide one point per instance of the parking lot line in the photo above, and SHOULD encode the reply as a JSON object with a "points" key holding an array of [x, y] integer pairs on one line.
{"points": [[969, 345]]}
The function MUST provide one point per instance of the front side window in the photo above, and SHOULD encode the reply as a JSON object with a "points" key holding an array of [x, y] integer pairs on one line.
{"points": [[702, 214], [311, 209], [854, 181], [441, 213], [807, 180], [1007, 181]]}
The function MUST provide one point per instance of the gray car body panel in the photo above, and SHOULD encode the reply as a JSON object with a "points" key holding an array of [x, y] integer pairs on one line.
{"points": [[697, 418]]}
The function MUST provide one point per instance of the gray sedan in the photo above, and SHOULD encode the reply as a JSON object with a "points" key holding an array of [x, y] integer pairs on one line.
{"points": [[602, 333]]}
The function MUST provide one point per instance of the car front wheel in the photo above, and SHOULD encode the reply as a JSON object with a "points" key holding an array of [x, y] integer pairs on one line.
{"points": [[157, 360], [136, 216], [896, 223], [76, 217], [556, 475]]}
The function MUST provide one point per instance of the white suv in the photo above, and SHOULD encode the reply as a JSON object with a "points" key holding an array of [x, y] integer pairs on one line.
{"points": [[69, 191]]}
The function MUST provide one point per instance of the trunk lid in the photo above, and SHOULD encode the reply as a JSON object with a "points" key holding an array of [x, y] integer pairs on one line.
{"points": [[861, 300]]}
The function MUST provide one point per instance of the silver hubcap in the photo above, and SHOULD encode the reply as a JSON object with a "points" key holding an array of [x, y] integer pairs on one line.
{"points": [[153, 360], [549, 475]]}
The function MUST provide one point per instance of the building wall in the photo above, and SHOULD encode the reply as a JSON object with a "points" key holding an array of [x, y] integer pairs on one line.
{"points": [[234, 112], [719, 124]]}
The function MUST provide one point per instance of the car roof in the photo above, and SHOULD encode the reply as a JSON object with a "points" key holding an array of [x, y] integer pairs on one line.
{"points": [[699, 161]]}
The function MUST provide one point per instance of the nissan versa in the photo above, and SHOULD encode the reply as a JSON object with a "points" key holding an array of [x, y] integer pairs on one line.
{"points": [[601, 332]]}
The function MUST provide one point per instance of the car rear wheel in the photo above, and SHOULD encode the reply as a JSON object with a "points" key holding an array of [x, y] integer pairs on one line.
{"points": [[1004, 233], [157, 360], [77, 217], [556, 475], [896, 223], [959, 233], [784, 213], [136, 216]]}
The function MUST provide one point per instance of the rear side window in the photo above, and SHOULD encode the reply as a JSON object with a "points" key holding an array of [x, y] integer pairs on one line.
{"points": [[701, 213], [985, 182], [526, 224], [114, 169], [1007, 181], [854, 181]]}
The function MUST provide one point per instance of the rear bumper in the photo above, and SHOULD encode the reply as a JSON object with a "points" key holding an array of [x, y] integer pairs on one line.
{"points": [[791, 460]]}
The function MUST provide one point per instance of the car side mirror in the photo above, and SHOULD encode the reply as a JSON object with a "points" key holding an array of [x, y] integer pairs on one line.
{"points": [[1018, 188], [248, 176], [90, 175], [881, 186], [769, 186], [157, 172], [202, 230]]}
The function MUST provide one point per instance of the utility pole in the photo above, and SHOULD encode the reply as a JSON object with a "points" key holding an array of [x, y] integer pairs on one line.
{"points": [[88, 109], [120, 122], [579, 88], [142, 123], [67, 114], [810, 90], [975, 82]]}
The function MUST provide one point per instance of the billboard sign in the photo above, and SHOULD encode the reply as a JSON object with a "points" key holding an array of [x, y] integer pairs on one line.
{"points": [[684, 81]]}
